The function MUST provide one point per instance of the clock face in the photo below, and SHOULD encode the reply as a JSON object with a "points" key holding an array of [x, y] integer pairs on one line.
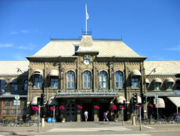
{"points": [[86, 61]]}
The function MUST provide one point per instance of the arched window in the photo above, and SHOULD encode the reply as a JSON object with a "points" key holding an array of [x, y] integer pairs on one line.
{"points": [[70, 79], [38, 81], [119, 79], [87, 79], [103, 79], [26, 85]]}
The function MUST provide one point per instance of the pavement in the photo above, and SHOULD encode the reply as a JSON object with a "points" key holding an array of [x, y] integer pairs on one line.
{"points": [[94, 129]]}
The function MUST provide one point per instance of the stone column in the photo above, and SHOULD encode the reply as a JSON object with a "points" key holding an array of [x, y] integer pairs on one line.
{"points": [[62, 116], [96, 115], [78, 115]]}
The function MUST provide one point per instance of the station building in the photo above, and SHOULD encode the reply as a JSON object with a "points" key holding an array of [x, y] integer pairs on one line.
{"points": [[88, 73]]}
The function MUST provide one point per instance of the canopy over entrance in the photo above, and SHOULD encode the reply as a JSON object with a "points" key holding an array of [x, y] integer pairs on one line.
{"points": [[175, 101]]}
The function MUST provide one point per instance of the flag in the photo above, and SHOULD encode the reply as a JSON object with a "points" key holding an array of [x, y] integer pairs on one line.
{"points": [[87, 16]]}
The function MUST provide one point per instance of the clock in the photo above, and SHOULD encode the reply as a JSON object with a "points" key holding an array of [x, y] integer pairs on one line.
{"points": [[86, 61]]}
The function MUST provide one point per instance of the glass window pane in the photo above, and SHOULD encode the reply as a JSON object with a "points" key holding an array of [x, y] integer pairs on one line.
{"points": [[38, 82], [86, 79], [70, 79], [25, 85], [103, 79], [119, 79], [135, 82]]}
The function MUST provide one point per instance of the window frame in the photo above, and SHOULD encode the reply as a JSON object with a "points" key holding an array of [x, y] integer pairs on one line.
{"points": [[39, 82], [25, 85], [169, 85], [103, 82], [120, 79], [157, 86], [55, 83], [135, 80], [70, 79], [88, 81]]}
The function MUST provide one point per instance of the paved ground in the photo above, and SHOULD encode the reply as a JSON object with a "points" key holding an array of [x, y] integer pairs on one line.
{"points": [[94, 129]]}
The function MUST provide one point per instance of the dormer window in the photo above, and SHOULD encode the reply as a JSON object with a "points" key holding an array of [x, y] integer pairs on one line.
{"points": [[157, 83], [169, 83]]}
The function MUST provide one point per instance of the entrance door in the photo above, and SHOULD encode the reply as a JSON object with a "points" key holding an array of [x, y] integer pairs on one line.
{"points": [[88, 107], [71, 111], [103, 108]]}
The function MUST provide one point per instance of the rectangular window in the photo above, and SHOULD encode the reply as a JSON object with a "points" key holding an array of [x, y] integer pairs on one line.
{"points": [[38, 82], [157, 86], [54, 83], [134, 82], [25, 85], [169, 85]]}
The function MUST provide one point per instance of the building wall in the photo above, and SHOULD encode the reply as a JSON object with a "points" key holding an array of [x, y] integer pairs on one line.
{"points": [[8, 110], [76, 64]]}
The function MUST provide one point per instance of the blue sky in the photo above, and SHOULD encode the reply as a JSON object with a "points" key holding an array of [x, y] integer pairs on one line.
{"points": [[150, 27]]}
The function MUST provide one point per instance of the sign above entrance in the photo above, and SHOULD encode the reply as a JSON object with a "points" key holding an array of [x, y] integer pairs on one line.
{"points": [[85, 93]]}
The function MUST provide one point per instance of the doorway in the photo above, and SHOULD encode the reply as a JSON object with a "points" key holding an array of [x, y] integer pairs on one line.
{"points": [[89, 108], [71, 110], [103, 108]]}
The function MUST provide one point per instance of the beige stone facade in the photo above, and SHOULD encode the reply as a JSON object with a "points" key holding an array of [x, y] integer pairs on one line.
{"points": [[88, 73]]}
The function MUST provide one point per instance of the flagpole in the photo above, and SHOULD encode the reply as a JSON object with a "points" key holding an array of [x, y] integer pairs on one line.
{"points": [[86, 26], [86, 17]]}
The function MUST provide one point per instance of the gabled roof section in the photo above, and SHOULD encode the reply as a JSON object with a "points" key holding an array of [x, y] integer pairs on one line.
{"points": [[162, 67], [13, 67], [67, 48]]}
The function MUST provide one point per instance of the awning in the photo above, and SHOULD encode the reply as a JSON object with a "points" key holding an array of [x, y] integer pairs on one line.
{"points": [[34, 100], [37, 72], [175, 100], [170, 80], [1, 78], [139, 99], [157, 80], [136, 73], [54, 72], [13, 80], [120, 99], [147, 81], [52, 101], [161, 103]]}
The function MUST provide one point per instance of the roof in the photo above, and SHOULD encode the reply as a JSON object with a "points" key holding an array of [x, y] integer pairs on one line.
{"points": [[162, 67], [67, 48], [13, 67]]}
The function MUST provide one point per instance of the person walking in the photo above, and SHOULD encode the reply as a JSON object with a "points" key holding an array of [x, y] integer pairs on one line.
{"points": [[106, 116], [86, 115]]}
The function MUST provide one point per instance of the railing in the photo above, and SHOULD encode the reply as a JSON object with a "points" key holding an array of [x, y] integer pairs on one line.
{"points": [[89, 93]]}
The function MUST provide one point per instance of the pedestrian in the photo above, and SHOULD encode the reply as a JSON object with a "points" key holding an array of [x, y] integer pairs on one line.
{"points": [[86, 115], [106, 116]]}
